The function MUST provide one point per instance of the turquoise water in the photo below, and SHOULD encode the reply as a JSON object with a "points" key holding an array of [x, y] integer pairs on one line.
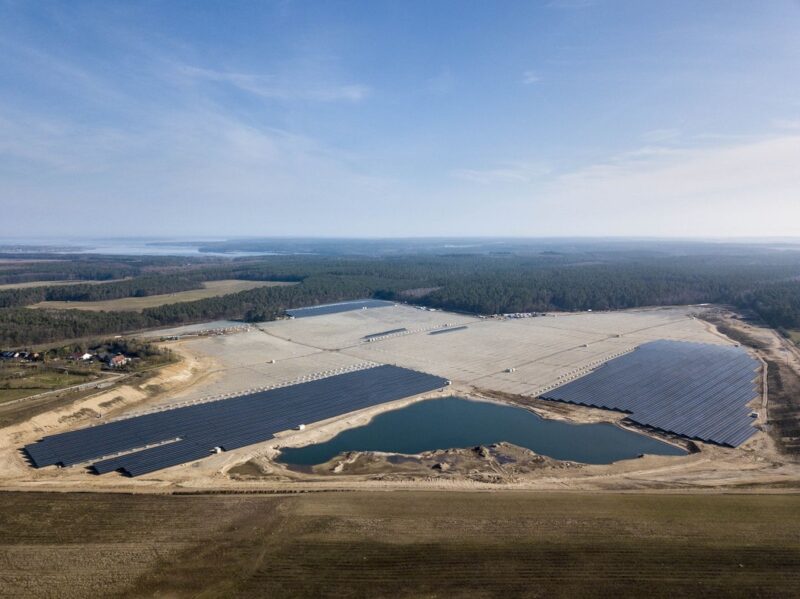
{"points": [[453, 422]]}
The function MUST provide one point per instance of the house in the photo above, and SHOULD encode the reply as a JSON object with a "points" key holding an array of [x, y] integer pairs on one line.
{"points": [[117, 361]]}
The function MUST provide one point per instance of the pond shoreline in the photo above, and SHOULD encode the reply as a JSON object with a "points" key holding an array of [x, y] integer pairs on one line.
{"points": [[460, 422]]}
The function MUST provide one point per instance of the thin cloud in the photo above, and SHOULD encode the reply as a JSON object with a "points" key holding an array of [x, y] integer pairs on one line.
{"points": [[193, 168], [32, 142], [270, 87], [722, 189], [530, 77], [733, 189], [791, 124], [514, 173], [661, 135]]}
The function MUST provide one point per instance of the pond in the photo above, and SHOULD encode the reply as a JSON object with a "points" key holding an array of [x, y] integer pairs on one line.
{"points": [[454, 422]]}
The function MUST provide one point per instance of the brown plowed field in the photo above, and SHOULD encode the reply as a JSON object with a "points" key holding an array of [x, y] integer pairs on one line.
{"points": [[406, 544]]}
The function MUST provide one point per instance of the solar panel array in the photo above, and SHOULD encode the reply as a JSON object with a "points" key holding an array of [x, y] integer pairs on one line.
{"points": [[162, 439], [447, 330], [695, 390], [338, 307]]}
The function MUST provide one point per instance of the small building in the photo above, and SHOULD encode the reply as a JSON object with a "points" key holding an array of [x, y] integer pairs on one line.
{"points": [[118, 361]]}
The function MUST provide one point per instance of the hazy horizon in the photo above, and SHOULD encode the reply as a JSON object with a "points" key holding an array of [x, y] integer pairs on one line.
{"points": [[553, 119]]}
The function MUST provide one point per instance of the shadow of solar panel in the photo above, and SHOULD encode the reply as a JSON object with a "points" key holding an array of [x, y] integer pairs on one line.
{"points": [[147, 443], [695, 390], [338, 307]]}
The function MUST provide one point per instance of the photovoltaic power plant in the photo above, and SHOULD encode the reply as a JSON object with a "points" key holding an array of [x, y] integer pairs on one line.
{"points": [[695, 390], [150, 442], [338, 307]]}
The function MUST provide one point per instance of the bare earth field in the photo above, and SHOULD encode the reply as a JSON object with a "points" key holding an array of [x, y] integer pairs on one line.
{"points": [[54, 283], [137, 304], [403, 544]]}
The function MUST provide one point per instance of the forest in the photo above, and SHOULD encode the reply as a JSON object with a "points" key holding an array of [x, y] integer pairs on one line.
{"points": [[766, 282]]}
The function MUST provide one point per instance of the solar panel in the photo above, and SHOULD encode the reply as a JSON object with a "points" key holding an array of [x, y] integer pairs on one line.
{"points": [[338, 307], [447, 330], [384, 334], [695, 390], [150, 442]]}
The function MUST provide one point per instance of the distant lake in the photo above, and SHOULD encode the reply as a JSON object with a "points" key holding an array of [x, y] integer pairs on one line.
{"points": [[455, 423], [162, 249], [127, 247]]}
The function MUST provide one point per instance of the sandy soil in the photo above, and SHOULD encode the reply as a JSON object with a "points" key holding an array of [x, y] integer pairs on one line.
{"points": [[757, 465], [56, 283]]}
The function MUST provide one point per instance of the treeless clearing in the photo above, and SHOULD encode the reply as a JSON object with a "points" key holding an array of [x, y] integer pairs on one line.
{"points": [[137, 304], [30, 284], [18, 382], [404, 544]]}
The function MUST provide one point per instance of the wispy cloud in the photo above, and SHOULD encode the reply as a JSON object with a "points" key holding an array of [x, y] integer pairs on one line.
{"points": [[790, 124], [156, 139], [508, 174], [32, 143], [271, 87], [731, 189], [725, 188], [197, 169], [58, 73], [661, 135], [530, 77]]}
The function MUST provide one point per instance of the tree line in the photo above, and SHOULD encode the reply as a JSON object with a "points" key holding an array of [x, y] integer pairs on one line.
{"points": [[483, 284], [87, 292]]}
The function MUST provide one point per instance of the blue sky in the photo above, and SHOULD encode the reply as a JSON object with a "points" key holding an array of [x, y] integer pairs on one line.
{"points": [[407, 118]]}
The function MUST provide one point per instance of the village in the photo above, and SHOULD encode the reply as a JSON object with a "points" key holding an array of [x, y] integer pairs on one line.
{"points": [[97, 355], [27, 374]]}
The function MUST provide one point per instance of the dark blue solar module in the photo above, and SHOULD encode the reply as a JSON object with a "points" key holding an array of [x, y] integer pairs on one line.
{"points": [[695, 390], [447, 330], [161, 439], [339, 307]]}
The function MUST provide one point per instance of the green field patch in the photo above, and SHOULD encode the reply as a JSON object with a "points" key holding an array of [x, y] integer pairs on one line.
{"points": [[23, 381]]}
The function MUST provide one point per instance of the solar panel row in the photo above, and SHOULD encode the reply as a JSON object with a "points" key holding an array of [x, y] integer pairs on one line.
{"points": [[338, 307], [695, 390], [447, 330], [158, 440], [384, 333]]}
